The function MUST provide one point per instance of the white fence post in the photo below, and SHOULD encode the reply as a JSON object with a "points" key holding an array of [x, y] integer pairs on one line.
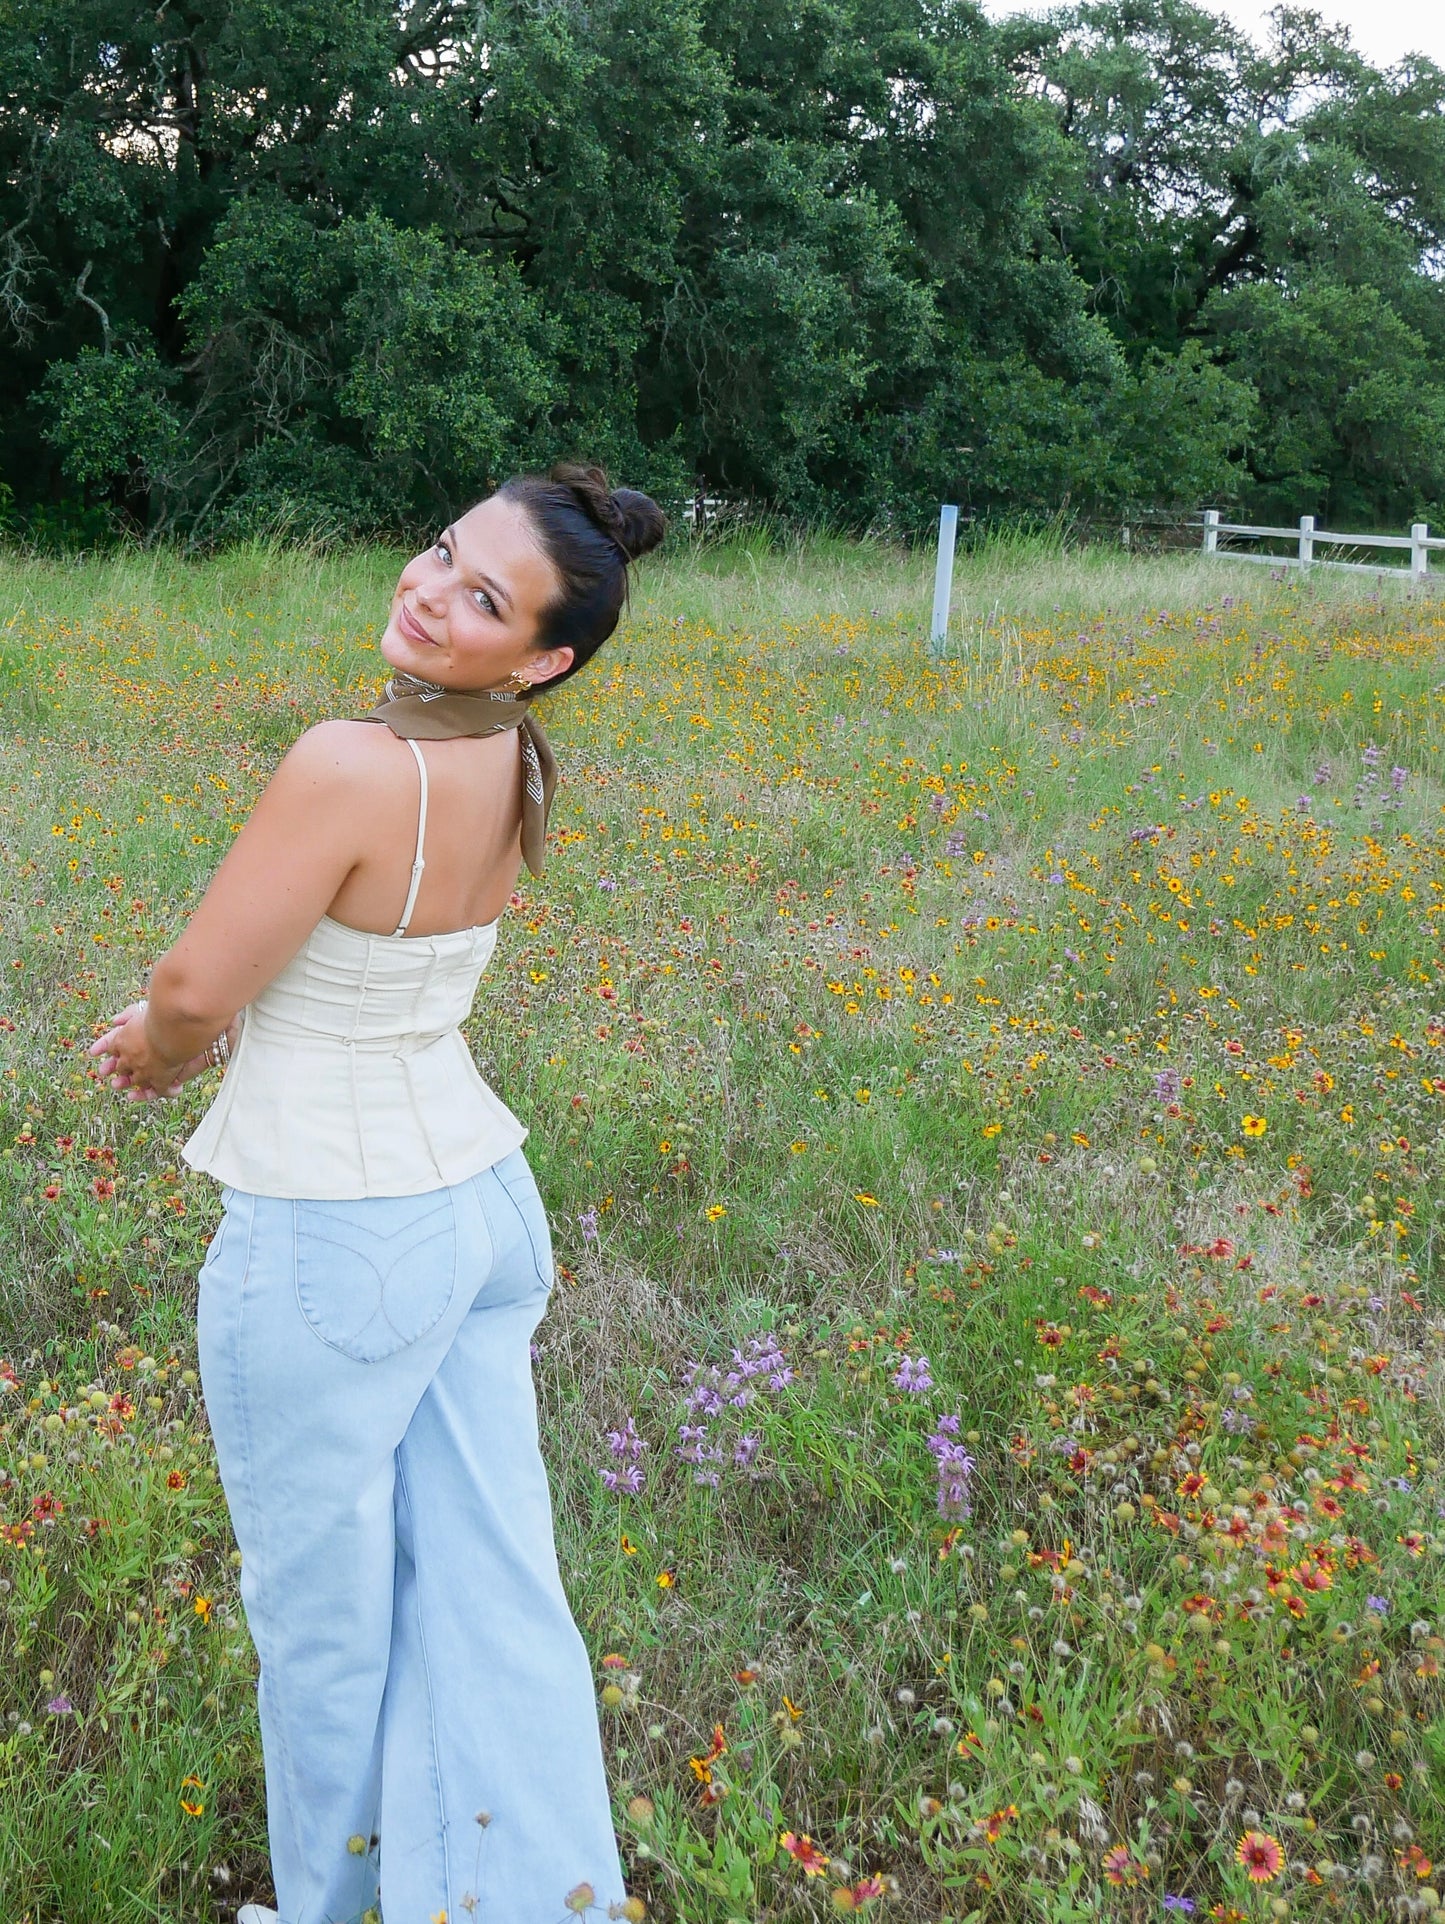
{"points": [[1211, 531], [1419, 553], [943, 576], [1306, 540]]}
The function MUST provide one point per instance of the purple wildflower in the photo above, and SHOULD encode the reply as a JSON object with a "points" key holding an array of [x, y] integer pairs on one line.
{"points": [[912, 1376], [1166, 1086], [60, 1706], [757, 1363], [764, 1357], [955, 1467], [588, 1220], [626, 1442], [1380, 1605], [627, 1448], [693, 1447], [1173, 1903]]}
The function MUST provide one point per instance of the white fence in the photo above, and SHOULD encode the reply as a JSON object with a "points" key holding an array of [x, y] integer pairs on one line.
{"points": [[1418, 544], [1307, 537]]}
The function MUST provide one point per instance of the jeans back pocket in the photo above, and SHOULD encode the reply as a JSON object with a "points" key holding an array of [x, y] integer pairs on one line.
{"points": [[514, 1173], [376, 1274]]}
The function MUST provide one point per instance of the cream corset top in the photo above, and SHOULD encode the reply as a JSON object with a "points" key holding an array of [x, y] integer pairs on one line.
{"points": [[351, 1076]]}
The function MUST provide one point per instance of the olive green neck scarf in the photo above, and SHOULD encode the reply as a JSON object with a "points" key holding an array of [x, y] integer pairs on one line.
{"points": [[425, 711]]}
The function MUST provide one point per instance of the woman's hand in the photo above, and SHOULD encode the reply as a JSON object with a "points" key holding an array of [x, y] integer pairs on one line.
{"points": [[129, 1063]]}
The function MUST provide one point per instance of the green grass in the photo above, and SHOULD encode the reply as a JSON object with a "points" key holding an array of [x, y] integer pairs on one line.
{"points": [[871, 1006]]}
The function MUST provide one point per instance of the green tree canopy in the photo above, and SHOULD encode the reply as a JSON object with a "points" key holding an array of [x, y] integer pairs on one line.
{"points": [[1283, 206], [343, 263]]}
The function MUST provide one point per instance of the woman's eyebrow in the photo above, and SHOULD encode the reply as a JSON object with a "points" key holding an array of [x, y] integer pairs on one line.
{"points": [[493, 587]]}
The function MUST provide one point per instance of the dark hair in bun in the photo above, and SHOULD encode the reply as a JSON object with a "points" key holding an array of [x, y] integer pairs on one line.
{"points": [[589, 532]]}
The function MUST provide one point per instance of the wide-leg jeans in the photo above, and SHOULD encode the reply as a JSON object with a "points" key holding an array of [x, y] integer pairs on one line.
{"points": [[427, 1710]]}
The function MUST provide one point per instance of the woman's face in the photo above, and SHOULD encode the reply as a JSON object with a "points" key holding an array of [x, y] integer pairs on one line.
{"points": [[466, 612]]}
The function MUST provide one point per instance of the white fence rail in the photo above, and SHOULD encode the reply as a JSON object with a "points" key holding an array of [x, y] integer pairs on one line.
{"points": [[1418, 544], [1307, 537]]}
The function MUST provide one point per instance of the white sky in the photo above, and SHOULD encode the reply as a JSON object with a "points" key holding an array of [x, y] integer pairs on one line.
{"points": [[1384, 31]]}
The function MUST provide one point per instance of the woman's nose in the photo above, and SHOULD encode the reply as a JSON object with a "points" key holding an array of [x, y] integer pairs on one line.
{"points": [[429, 591]]}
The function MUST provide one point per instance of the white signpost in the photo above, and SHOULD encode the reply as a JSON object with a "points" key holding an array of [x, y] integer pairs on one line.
{"points": [[943, 575]]}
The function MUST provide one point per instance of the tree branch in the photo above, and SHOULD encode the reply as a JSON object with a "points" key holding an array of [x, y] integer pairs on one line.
{"points": [[90, 302]]}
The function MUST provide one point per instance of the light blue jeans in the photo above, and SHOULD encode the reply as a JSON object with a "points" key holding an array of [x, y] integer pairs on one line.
{"points": [[427, 1709]]}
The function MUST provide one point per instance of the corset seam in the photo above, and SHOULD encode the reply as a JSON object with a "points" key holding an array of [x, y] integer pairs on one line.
{"points": [[294, 1115], [356, 1108]]}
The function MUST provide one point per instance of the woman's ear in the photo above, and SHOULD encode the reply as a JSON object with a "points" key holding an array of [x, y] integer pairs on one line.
{"points": [[549, 664]]}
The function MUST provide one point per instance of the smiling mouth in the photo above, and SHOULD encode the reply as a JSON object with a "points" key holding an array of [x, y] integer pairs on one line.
{"points": [[412, 628]]}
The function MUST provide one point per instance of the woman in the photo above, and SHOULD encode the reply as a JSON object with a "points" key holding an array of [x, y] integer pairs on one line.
{"points": [[367, 1305]]}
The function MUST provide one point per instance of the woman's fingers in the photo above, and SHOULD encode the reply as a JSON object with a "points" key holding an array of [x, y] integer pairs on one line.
{"points": [[109, 1069], [117, 1023], [104, 1045], [134, 1091]]}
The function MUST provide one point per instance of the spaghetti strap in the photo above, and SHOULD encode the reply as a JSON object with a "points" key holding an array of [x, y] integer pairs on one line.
{"points": [[420, 863]]}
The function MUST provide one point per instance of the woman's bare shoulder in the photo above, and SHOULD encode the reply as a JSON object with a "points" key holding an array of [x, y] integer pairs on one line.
{"points": [[347, 748]]}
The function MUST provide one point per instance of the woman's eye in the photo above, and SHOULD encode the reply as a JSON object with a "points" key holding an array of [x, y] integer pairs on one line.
{"points": [[444, 551], [484, 600]]}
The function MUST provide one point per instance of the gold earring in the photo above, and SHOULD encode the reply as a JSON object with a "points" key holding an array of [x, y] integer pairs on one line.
{"points": [[516, 683]]}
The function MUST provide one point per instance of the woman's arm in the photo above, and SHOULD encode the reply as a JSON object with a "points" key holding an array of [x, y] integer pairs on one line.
{"points": [[303, 838]]}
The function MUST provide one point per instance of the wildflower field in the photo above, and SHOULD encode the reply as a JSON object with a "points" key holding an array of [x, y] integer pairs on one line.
{"points": [[992, 1111]]}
